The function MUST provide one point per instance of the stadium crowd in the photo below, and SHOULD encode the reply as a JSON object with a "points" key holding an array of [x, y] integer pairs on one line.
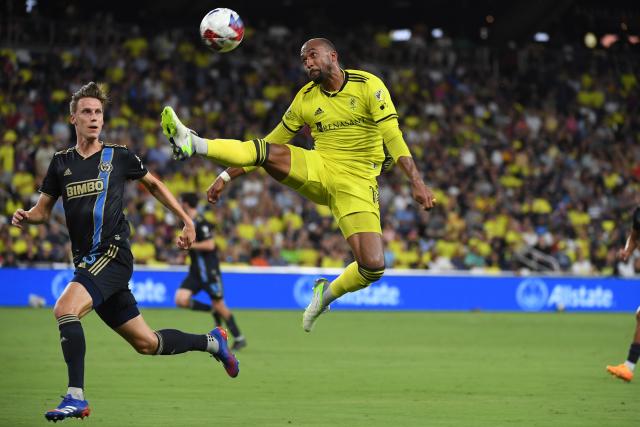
{"points": [[533, 151]]}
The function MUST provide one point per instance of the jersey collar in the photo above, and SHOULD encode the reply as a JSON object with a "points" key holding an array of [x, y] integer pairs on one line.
{"points": [[344, 83]]}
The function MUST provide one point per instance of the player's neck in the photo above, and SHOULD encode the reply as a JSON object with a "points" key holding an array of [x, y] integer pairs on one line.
{"points": [[335, 81], [87, 148]]}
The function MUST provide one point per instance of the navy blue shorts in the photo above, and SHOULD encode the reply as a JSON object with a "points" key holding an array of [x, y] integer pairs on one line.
{"points": [[195, 284], [106, 276]]}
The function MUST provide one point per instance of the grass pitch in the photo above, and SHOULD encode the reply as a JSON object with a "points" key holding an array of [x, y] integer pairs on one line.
{"points": [[356, 369]]}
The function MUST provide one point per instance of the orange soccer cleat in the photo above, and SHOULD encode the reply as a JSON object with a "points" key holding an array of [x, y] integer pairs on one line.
{"points": [[621, 371]]}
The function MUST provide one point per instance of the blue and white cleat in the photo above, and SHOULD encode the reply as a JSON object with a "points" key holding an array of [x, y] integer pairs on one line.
{"points": [[224, 355], [69, 408], [179, 135], [315, 308]]}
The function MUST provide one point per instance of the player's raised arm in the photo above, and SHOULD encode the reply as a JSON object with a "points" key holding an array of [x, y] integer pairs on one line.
{"points": [[397, 148], [162, 193], [36, 215]]}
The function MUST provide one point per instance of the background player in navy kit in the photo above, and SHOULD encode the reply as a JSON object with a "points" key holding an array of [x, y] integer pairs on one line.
{"points": [[625, 370], [204, 273], [90, 177]]}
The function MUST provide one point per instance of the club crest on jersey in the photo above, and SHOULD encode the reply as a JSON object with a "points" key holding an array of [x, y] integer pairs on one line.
{"points": [[105, 167], [289, 115], [353, 103]]}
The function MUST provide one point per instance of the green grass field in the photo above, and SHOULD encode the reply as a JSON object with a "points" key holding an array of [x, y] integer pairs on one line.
{"points": [[356, 369]]}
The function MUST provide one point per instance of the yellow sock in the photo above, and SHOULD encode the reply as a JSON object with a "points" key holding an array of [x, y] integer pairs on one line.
{"points": [[232, 152], [354, 278]]}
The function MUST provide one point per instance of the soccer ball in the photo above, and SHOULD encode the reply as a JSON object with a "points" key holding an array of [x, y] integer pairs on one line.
{"points": [[222, 29]]}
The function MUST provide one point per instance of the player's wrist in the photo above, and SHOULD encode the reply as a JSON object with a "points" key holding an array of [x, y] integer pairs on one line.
{"points": [[224, 176]]}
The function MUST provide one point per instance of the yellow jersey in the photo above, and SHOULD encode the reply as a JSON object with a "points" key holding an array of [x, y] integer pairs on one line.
{"points": [[344, 124]]}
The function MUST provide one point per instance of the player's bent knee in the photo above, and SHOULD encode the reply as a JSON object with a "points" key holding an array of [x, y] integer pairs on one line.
{"points": [[61, 309], [370, 274], [145, 347], [181, 301]]}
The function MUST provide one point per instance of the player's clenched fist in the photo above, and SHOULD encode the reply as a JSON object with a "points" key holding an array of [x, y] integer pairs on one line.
{"points": [[19, 217]]}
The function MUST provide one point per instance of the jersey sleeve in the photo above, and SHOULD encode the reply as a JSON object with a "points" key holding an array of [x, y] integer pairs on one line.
{"points": [[204, 231], [292, 119], [135, 168], [636, 220], [51, 182], [380, 104]]}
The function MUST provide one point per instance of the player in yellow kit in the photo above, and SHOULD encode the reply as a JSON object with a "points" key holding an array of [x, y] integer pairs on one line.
{"points": [[352, 119]]}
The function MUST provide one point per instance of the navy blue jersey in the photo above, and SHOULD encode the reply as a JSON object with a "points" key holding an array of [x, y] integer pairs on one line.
{"points": [[92, 192], [204, 264]]}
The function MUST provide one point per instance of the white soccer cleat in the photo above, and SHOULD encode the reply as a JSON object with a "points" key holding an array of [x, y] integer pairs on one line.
{"points": [[315, 308], [179, 135]]}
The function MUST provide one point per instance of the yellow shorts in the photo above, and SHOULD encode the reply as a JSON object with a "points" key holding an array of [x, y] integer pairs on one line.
{"points": [[353, 200]]}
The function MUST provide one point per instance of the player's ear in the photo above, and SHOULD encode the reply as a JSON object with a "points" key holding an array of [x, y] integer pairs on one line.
{"points": [[72, 119]]}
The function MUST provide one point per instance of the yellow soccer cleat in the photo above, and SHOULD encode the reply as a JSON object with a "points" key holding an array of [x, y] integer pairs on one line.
{"points": [[178, 134], [621, 371]]}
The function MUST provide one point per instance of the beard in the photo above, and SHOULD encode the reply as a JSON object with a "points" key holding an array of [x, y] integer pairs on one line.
{"points": [[319, 76]]}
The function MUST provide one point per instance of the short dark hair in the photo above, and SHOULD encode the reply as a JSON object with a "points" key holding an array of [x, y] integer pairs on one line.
{"points": [[90, 90], [191, 199], [328, 43]]}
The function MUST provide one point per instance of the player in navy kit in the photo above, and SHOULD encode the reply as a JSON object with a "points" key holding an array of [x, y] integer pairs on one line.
{"points": [[624, 371], [90, 178], [204, 274]]}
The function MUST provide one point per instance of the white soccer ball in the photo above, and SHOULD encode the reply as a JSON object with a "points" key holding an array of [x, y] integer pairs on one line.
{"points": [[222, 29]]}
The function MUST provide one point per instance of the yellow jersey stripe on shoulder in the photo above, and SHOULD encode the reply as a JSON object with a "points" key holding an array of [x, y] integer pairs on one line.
{"points": [[394, 115], [310, 88], [362, 76]]}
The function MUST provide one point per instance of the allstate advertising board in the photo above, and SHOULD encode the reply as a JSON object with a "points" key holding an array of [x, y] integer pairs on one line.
{"points": [[278, 288]]}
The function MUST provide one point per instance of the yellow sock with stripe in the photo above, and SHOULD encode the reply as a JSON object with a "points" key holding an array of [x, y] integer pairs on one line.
{"points": [[233, 152], [352, 279]]}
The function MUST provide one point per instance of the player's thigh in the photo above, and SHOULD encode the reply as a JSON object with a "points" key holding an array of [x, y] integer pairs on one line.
{"points": [[307, 175], [137, 333], [105, 273], [354, 204], [118, 309], [187, 289], [367, 247]]}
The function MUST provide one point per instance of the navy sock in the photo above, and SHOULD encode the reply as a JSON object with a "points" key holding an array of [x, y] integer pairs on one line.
{"points": [[217, 318], [73, 348], [199, 306], [634, 353], [231, 323], [172, 341]]}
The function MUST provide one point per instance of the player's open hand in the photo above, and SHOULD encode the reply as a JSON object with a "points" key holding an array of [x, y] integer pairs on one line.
{"points": [[19, 217], [214, 191], [187, 237], [423, 195]]}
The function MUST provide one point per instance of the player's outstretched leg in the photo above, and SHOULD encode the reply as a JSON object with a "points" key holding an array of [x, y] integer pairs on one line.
{"points": [[69, 408], [179, 135], [226, 152], [223, 354], [316, 306], [621, 371]]}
